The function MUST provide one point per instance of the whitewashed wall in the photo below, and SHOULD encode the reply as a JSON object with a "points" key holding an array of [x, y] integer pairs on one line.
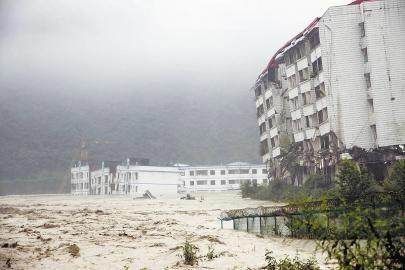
{"points": [[343, 65], [385, 40]]}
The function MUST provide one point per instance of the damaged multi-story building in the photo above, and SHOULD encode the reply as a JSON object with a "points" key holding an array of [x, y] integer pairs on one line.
{"points": [[338, 85]]}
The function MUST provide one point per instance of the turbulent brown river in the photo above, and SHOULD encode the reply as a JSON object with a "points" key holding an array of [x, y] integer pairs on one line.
{"points": [[68, 232]]}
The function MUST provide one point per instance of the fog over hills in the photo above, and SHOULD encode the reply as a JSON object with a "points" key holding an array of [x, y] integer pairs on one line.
{"points": [[164, 80], [40, 130]]}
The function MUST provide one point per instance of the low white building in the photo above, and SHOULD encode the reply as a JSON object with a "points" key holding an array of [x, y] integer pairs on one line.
{"points": [[221, 177], [102, 181], [80, 175], [136, 180]]}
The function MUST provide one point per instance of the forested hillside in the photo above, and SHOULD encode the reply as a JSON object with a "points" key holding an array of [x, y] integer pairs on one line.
{"points": [[41, 130]]}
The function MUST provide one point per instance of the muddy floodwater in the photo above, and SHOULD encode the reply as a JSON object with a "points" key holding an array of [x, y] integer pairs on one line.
{"points": [[97, 232]]}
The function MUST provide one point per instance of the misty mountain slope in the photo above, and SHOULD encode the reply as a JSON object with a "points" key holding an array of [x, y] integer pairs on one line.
{"points": [[40, 130]]}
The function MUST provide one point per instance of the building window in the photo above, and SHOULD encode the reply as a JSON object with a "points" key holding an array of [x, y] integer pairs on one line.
{"points": [[264, 171], [370, 105], [317, 66], [264, 147], [201, 182], [233, 182], [294, 103], [362, 29], [297, 125], [314, 40], [307, 122], [202, 172], [260, 111], [212, 182], [325, 142], [254, 171], [320, 91], [223, 182], [244, 171], [322, 115], [238, 171], [368, 80], [191, 173], [258, 91], [292, 81], [135, 176], [374, 132], [191, 183], [222, 172], [272, 121], [303, 74], [365, 55], [307, 98], [274, 142], [212, 172], [269, 102], [262, 128]]}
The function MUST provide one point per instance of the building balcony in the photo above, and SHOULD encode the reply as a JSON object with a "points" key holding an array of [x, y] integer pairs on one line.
{"points": [[305, 86], [259, 102], [302, 63], [296, 114], [299, 136], [321, 103], [316, 53], [261, 119], [271, 112], [268, 93], [264, 135], [319, 78], [273, 132], [276, 152], [324, 128], [310, 133], [293, 93], [266, 157], [308, 110], [290, 70]]}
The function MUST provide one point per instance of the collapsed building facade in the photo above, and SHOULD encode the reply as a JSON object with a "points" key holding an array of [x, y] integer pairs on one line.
{"points": [[339, 85]]}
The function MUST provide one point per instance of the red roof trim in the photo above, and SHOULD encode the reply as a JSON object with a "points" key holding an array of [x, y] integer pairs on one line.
{"points": [[358, 2], [273, 62]]}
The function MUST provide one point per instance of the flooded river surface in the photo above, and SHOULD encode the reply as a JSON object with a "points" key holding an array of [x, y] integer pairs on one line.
{"points": [[97, 232]]}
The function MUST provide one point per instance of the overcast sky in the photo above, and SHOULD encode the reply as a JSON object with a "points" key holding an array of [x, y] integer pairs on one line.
{"points": [[223, 43]]}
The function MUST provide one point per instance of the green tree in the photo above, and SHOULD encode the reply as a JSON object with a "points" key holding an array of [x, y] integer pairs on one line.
{"points": [[353, 182], [395, 183]]}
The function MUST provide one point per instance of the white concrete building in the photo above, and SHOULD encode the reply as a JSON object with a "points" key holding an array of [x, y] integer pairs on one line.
{"points": [[344, 79], [222, 177], [102, 181], [80, 175], [136, 180]]}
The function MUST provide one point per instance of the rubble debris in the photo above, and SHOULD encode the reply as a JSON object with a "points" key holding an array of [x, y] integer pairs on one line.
{"points": [[50, 226], [7, 245], [74, 250]]}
